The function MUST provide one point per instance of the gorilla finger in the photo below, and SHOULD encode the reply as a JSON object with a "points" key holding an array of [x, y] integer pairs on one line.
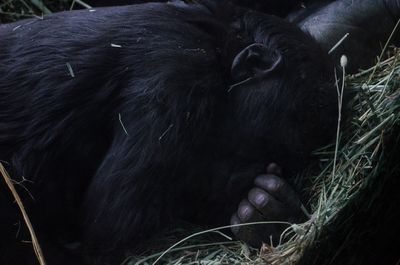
{"points": [[267, 205], [248, 233], [235, 221], [274, 169], [278, 188], [255, 235], [246, 211]]}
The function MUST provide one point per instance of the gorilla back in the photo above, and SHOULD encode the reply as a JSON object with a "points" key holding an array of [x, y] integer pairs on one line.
{"points": [[122, 120]]}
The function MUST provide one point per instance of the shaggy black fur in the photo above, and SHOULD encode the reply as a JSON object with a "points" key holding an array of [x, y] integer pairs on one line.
{"points": [[125, 119], [274, 7]]}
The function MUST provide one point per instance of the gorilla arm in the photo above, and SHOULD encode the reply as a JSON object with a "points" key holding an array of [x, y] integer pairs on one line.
{"points": [[368, 22]]}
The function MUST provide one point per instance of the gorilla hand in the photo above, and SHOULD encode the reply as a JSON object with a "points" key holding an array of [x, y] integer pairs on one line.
{"points": [[270, 200]]}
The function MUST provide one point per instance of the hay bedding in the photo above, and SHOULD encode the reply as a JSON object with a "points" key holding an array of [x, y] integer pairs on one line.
{"points": [[355, 197]]}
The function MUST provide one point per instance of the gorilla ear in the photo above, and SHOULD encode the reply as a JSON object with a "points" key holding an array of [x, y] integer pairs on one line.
{"points": [[256, 60]]}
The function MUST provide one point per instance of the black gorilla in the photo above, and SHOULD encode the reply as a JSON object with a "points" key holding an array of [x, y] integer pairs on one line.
{"points": [[126, 119], [272, 7]]}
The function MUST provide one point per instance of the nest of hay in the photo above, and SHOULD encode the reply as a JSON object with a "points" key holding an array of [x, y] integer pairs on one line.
{"points": [[354, 197]]}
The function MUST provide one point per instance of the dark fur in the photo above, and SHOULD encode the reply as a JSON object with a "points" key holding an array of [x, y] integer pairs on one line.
{"points": [[273, 7], [191, 148]]}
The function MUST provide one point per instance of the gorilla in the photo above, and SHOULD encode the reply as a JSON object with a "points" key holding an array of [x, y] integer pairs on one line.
{"points": [[271, 7], [117, 122]]}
